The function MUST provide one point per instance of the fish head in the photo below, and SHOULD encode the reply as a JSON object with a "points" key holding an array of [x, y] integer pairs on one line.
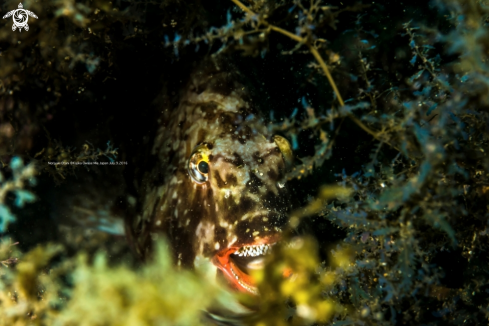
{"points": [[240, 178], [217, 191]]}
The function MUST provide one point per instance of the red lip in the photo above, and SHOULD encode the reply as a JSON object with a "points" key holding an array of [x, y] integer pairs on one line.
{"points": [[236, 277], [226, 261]]}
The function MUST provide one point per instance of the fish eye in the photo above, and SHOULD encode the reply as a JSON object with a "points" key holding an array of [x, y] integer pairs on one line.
{"points": [[286, 150], [198, 165], [203, 167]]}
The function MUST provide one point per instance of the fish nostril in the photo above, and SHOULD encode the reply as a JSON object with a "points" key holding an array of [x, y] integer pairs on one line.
{"points": [[227, 193], [286, 150]]}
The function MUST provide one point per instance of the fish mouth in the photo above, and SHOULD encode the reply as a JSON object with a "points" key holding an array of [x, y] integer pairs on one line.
{"points": [[237, 264]]}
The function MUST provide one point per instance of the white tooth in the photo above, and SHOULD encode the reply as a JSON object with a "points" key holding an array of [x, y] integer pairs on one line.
{"points": [[256, 264]]}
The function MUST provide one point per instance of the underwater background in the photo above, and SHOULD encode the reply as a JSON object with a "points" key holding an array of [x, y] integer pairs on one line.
{"points": [[385, 104]]}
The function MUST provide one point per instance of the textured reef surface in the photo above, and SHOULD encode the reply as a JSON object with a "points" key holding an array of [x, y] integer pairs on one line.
{"points": [[367, 120]]}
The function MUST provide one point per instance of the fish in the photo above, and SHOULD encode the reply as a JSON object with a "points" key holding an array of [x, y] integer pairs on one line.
{"points": [[216, 189], [212, 183]]}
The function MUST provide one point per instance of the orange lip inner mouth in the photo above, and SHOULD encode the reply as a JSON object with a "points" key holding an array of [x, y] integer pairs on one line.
{"points": [[236, 262]]}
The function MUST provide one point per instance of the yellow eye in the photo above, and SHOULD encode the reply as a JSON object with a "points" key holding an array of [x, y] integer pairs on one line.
{"points": [[286, 150], [198, 165]]}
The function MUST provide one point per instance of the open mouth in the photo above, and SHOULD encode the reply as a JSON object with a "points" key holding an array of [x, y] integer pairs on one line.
{"points": [[236, 264]]}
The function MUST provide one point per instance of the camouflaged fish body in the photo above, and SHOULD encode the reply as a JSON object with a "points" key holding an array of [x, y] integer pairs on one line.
{"points": [[217, 192]]}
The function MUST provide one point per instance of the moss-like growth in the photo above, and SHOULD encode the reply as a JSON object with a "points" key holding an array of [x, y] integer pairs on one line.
{"points": [[40, 291]]}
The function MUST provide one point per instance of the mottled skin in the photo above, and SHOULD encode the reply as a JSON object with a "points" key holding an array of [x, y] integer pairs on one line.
{"points": [[244, 200]]}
